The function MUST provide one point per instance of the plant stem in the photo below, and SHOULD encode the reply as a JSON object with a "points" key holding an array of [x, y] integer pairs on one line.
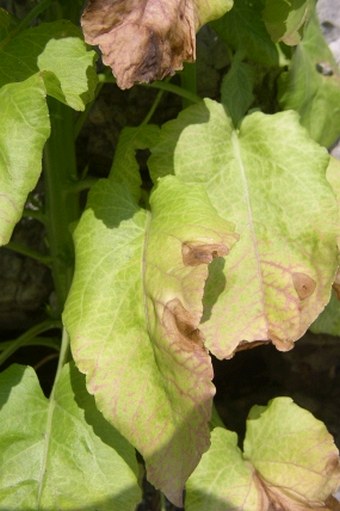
{"points": [[48, 342], [34, 13], [64, 351], [166, 86], [189, 81], [44, 361], [62, 207], [25, 338], [83, 184], [33, 254], [153, 108], [175, 89], [34, 214]]}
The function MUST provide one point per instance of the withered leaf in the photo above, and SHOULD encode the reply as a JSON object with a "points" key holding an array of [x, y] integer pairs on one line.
{"points": [[142, 40]]}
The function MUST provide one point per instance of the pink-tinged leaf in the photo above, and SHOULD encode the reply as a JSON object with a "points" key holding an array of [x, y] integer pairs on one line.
{"points": [[269, 178], [289, 463], [144, 40], [133, 315]]}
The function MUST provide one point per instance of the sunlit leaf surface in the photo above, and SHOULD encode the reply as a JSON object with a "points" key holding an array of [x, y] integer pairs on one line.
{"points": [[269, 178], [289, 462], [66, 73], [285, 19], [60, 453], [133, 315]]}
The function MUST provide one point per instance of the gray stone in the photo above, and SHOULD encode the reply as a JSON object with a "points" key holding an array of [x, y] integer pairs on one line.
{"points": [[335, 48], [329, 16]]}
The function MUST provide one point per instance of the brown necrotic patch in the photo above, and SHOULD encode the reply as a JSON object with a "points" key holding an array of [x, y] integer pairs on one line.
{"points": [[195, 254], [304, 285], [181, 326]]}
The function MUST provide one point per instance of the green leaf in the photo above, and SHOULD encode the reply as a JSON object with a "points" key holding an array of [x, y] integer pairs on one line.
{"points": [[7, 23], [278, 278], [23, 131], [237, 89], [125, 168], [243, 29], [211, 9], [290, 462], [60, 453], [133, 314], [68, 71], [329, 320], [312, 86], [292, 450], [222, 480], [285, 19], [19, 54]]}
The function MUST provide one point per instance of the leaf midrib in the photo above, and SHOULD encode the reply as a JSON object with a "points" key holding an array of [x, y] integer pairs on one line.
{"points": [[47, 439], [251, 227]]}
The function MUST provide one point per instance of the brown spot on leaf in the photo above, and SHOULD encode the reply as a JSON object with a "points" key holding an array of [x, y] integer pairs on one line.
{"points": [[142, 40], [304, 285], [332, 504], [336, 285], [333, 465], [181, 325], [193, 255]]}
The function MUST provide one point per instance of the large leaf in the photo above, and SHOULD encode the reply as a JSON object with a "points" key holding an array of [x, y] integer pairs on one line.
{"points": [[67, 73], [290, 462], [285, 19], [237, 89], [7, 23], [269, 179], [311, 86], [60, 453], [211, 9], [19, 54], [24, 130], [144, 40], [243, 29], [125, 168], [133, 314], [57, 50]]}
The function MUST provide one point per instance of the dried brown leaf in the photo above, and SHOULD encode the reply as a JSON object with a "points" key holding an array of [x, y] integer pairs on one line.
{"points": [[142, 40]]}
